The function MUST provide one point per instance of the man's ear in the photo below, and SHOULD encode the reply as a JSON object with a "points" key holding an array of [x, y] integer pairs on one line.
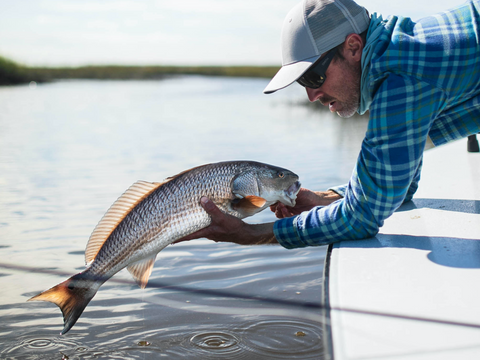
{"points": [[353, 47]]}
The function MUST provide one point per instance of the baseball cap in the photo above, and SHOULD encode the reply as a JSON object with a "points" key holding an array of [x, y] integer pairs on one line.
{"points": [[312, 28]]}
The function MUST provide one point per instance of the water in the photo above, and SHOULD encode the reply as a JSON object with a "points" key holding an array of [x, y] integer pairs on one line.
{"points": [[69, 149]]}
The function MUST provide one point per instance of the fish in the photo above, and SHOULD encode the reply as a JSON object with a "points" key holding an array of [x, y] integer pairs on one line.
{"points": [[151, 215]]}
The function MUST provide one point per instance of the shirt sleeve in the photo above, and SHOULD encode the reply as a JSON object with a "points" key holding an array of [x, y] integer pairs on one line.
{"points": [[340, 190], [387, 169], [414, 184]]}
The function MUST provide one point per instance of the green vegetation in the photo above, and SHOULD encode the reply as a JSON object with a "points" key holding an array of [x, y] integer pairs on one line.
{"points": [[112, 72], [12, 73]]}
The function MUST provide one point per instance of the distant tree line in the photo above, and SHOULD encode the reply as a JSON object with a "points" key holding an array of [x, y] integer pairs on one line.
{"points": [[12, 73]]}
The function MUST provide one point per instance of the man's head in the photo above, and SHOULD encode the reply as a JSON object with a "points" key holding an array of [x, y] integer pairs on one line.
{"points": [[340, 89], [310, 31]]}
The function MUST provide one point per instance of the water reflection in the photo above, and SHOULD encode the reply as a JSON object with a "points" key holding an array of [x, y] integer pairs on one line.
{"points": [[279, 339], [69, 149]]}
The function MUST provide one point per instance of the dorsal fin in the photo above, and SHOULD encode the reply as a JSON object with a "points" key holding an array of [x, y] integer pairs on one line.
{"points": [[170, 178], [117, 212], [141, 270]]}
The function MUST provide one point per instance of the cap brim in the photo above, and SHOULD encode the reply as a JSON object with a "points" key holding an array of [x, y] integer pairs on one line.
{"points": [[289, 74]]}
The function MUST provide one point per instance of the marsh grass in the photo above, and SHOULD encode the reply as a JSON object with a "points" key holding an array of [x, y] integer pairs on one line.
{"points": [[112, 72], [13, 73]]}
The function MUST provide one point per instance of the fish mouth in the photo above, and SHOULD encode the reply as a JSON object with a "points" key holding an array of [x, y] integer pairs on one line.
{"points": [[292, 191]]}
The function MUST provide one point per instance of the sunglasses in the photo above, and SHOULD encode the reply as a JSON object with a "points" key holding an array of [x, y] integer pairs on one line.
{"points": [[315, 76]]}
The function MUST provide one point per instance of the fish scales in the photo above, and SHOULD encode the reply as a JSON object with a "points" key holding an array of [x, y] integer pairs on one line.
{"points": [[175, 216], [150, 216]]}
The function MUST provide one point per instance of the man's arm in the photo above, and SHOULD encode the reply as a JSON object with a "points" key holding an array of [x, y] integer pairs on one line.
{"points": [[227, 228], [386, 172], [389, 163], [414, 185]]}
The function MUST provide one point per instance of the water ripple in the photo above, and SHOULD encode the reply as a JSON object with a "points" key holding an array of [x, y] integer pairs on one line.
{"points": [[34, 347], [218, 345], [214, 340], [39, 343], [284, 339]]}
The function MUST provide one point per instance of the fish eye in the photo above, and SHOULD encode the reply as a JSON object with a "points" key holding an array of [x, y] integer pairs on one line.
{"points": [[281, 174]]}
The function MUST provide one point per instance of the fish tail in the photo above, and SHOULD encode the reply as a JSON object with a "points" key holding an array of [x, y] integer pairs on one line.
{"points": [[71, 296]]}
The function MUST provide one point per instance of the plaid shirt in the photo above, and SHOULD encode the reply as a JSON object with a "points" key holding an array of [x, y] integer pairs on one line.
{"points": [[424, 80]]}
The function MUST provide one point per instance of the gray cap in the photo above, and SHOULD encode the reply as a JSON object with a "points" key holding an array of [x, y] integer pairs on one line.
{"points": [[312, 28]]}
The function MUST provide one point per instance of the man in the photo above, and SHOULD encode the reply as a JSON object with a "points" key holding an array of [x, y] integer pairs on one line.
{"points": [[416, 79]]}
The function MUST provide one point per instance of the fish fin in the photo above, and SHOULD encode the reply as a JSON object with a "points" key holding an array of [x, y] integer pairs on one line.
{"points": [[170, 178], [117, 212], [71, 299], [141, 270], [249, 205]]}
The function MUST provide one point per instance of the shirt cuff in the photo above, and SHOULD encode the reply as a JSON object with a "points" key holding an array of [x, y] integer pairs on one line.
{"points": [[340, 190], [285, 231]]}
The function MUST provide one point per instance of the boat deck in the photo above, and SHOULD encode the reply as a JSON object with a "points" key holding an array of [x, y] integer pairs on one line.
{"points": [[413, 291]]}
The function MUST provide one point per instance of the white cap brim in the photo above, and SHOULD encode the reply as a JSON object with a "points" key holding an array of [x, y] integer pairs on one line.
{"points": [[289, 74]]}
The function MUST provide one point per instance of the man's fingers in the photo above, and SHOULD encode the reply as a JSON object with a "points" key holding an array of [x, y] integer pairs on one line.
{"points": [[281, 211], [273, 207], [286, 212], [209, 206]]}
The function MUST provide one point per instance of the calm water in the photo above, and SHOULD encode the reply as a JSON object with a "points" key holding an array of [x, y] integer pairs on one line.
{"points": [[69, 149]]}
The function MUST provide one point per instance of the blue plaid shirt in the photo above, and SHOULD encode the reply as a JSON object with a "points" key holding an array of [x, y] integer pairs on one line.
{"points": [[423, 79]]}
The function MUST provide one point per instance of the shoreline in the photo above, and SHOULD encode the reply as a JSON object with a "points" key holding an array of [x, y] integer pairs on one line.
{"points": [[12, 73]]}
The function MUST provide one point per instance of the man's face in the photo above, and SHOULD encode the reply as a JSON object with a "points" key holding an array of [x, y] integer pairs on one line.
{"points": [[341, 89]]}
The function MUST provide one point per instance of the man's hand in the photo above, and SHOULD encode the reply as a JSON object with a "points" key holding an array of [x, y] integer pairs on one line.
{"points": [[227, 228], [306, 200]]}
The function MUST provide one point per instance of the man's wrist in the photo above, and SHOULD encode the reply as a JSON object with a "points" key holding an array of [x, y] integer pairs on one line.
{"points": [[260, 234], [327, 197]]}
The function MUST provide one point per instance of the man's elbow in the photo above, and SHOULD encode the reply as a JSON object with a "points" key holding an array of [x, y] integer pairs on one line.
{"points": [[363, 230]]}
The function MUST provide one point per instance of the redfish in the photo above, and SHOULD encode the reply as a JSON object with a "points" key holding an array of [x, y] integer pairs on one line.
{"points": [[150, 216]]}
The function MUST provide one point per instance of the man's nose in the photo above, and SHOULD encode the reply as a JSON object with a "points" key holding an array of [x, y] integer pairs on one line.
{"points": [[313, 94]]}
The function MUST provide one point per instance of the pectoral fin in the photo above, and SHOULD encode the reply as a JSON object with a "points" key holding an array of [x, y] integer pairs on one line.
{"points": [[141, 270], [249, 205]]}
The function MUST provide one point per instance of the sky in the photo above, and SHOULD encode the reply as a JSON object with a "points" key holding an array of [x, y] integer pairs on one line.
{"points": [[160, 32]]}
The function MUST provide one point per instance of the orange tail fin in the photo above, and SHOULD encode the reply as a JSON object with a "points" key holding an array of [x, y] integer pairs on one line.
{"points": [[71, 296]]}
